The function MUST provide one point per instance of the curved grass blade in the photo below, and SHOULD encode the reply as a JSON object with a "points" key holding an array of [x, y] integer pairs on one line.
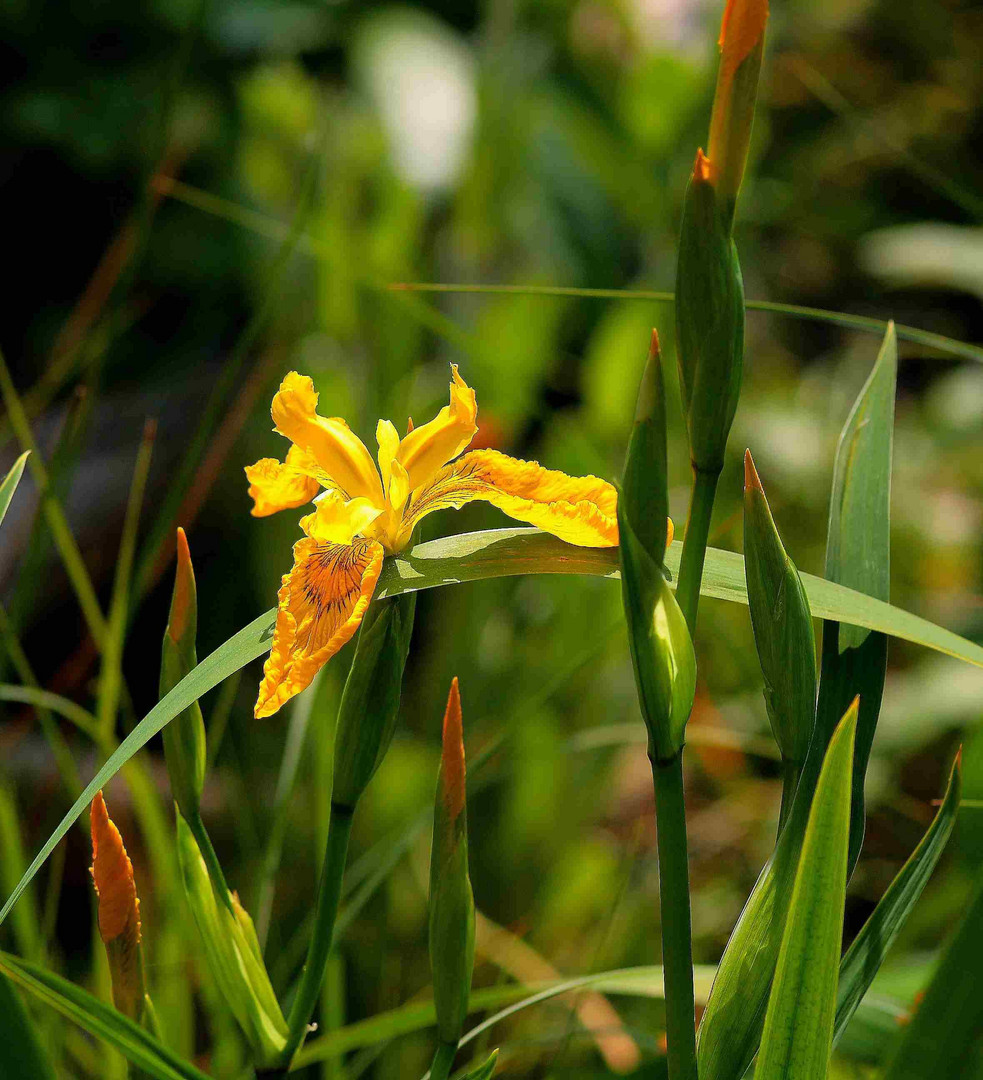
{"points": [[23, 1056], [492, 554], [270, 227], [99, 1020], [418, 1015], [865, 956], [798, 1034], [940, 1038], [10, 482]]}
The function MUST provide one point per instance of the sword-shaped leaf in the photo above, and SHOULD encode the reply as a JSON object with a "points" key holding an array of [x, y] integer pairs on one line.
{"points": [[798, 1034]]}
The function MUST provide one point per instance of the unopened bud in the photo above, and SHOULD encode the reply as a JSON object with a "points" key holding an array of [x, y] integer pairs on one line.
{"points": [[452, 923], [184, 736], [742, 34], [709, 320], [661, 648], [370, 701], [119, 911]]}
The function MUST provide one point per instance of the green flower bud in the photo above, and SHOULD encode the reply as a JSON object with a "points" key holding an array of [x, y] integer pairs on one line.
{"points": [[783, 633], [451, 899], [184, 736], [370, 701], [709, 321], [644, 496], [233, 954], [661, 647]]}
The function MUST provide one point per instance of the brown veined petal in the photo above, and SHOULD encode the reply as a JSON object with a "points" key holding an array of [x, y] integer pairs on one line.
{"points": [[426, 448], [320, 606], [276, 485], [578, 509], [340, 453], [119, 910]]}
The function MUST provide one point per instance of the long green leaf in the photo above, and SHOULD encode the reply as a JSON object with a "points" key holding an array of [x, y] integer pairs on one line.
{"points": [[418, 1015], [23, 1056], [949, 1021], [10, 482], [858, 552], [865, 956], [798, 1032], [100, 1020], [494, 554]]}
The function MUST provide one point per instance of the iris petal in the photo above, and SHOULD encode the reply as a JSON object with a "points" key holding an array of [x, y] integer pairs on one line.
{"points": [[579, 510], [340, 453], [321, 604]]}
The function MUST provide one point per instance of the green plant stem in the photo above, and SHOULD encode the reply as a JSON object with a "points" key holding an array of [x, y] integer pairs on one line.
{"points": [[677, 937], [329, 893], [443, 1060], [695, 545]]}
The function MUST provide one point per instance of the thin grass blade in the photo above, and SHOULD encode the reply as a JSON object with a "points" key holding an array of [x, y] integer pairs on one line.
{"points": [[865, 956], [24, 1057], [946, 1028], [10, 482], [100, 1020]]}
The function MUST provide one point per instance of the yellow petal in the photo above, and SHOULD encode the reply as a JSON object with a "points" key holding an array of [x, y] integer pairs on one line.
{"points": [[275, 485], [339, 452], [320, 606], [119, 910], [337, 520], [387, 437], [579, 510], [425, 449]]}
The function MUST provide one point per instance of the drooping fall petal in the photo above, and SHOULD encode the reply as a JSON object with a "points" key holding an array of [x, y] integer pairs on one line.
{"points": [[276, 485], [119, 910], [339, 452], [580, 510], [426, 448], [320, 605]]}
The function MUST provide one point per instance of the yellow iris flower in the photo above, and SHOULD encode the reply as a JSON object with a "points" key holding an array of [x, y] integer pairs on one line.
{"points": [[367, 512]]}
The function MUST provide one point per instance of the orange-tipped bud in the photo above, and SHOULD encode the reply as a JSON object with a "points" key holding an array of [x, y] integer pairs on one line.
{"points": [[184, 601], [119, 910], [451, 900], [184, 736], [752, 482], [701, 167], [741, 41], [452, 771]]}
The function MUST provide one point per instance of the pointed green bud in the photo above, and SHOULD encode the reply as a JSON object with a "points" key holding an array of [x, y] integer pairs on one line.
{"points": [[644, 495], [370, 701], [742, 36], [661, 648], [709, 321], [783, 632], [451, 899], [233, 954], [184, 736], [486, 1070]]}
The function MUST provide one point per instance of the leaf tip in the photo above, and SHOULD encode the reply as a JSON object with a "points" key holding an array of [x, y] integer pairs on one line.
{"points": [[752, 482]]}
